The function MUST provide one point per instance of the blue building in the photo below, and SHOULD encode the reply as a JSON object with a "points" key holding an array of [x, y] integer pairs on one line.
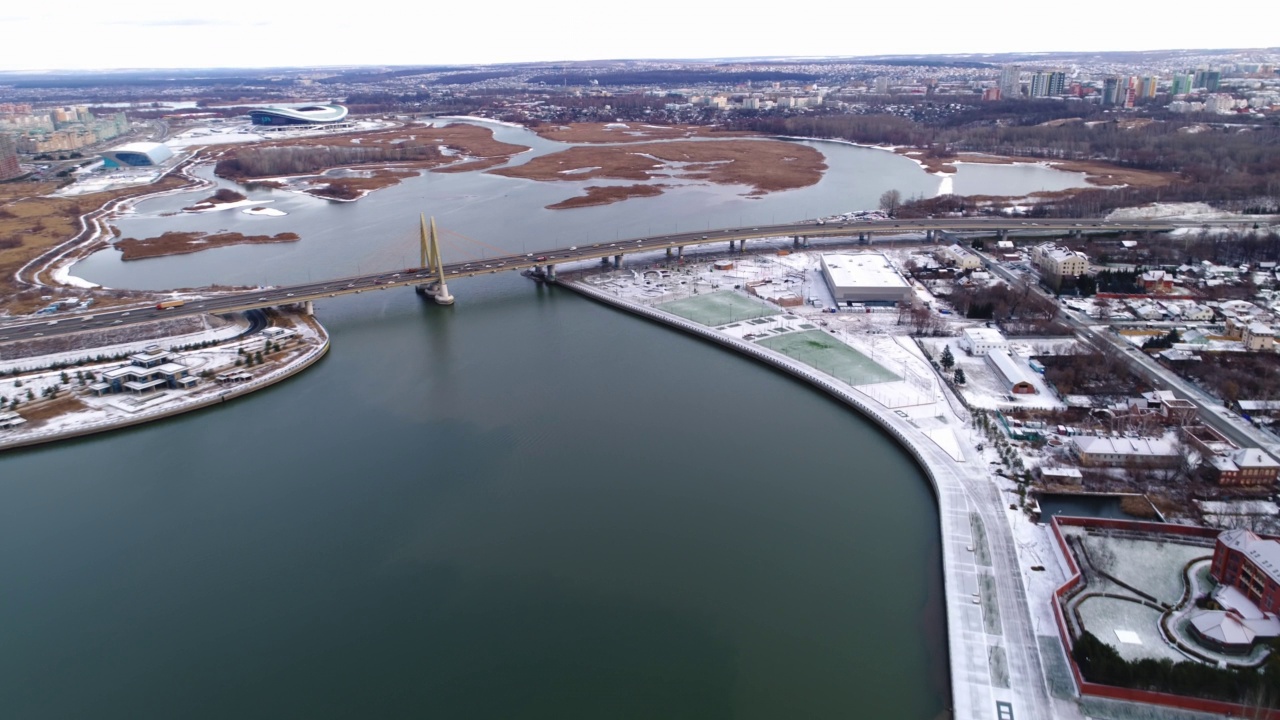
{"points": [[139, 154]]}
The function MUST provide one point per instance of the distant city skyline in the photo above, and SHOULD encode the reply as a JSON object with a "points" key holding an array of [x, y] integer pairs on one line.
{"points": [[80, 35]]}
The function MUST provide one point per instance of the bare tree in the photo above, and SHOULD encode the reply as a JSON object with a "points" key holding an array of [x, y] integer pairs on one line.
{"points": [[890, 200]]}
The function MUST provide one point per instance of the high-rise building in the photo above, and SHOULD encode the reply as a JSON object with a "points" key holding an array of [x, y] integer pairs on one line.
{"points": [[8, 158], [1181, 84], [1057, 83], [882, 85], [1048, 84], [1039, 85], [1010, 82], [1110, 91], [1207, 79], [1128, 91], [1146, 88]]}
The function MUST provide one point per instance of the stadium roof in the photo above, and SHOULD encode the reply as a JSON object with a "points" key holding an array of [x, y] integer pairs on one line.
{"points": [[142, 147], [315, 114]]}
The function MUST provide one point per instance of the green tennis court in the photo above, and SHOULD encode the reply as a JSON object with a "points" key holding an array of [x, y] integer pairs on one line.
{"points": [[819, 350], [718, 308]]}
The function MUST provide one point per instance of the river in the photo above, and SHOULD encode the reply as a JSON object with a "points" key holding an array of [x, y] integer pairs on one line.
{"points": [[523, 506]]}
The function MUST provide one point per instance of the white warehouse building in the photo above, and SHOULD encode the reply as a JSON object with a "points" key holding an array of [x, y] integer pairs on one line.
{"points": [[866, 278], [1015, 377], [980, 341]]}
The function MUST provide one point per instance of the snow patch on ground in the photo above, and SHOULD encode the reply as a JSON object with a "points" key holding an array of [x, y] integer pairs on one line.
{"points": [[62, 276], [214, 207], [264, 211]]}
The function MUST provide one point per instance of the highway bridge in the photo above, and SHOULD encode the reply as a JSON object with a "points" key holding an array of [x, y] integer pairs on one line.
{"points": [[544, 261]]}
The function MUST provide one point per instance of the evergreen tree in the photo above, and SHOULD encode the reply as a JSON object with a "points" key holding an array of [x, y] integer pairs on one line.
{"points": [[948, 360], [959, 376]]}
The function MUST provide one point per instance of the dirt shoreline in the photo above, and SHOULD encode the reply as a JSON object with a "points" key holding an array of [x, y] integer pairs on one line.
{"points": [[183, 243], [225, 196], [630, 132], [1096, 173], [354, 188]]}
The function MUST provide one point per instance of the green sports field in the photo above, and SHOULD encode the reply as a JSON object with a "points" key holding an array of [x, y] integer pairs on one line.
{"points": [[718, 308], [819, 350]]}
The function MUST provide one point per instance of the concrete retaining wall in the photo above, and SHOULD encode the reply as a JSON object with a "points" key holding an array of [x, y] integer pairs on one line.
{"points": [[851, 398]]}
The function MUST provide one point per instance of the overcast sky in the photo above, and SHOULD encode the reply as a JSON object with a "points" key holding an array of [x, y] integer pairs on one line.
{"points": [[79, 34]]}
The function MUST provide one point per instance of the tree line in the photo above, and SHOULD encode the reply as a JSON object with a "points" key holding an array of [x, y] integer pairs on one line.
{"points": [[1100, 663], [1221, 163], [300, 159]]}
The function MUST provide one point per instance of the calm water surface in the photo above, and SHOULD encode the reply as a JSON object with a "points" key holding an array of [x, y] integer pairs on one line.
{"points": [[527, 505], [524, 506]]}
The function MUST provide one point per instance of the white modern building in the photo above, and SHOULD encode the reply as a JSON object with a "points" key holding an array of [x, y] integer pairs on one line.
{"points": [[139, 154]]}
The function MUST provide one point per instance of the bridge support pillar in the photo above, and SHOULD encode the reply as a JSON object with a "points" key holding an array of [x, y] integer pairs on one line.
{"points": [[680, 251], [668, 252], [309, 308], [795, 241], [928, 235], [442, 296], [617, 261], [731, 244], [742, 245], [551, 272], [1002, 233], [862, 238]]}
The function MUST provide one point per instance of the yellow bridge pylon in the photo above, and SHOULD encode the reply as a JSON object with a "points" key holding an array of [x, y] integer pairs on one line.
{"points": [[429, 249]]}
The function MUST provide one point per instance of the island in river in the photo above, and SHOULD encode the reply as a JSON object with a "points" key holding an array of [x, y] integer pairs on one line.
{"points": [[764, 165], [395, 153], [182, 243]]}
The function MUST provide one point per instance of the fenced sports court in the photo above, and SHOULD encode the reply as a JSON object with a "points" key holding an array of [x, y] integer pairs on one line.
{"points": [[819, 350], [719, 308]]}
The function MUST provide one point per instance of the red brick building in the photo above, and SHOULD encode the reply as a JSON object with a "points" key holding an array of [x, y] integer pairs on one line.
{"points": [[1249, 564], [1249, 466]]}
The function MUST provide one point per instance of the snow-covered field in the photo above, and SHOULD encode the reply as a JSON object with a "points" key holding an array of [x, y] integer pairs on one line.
{"points": [[985, 388], [103, 181], [1131, 628], [1183, 211]]}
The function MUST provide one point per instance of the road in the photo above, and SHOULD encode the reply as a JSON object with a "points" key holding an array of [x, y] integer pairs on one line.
{"points": [[26, 329], [1209, 408]]}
